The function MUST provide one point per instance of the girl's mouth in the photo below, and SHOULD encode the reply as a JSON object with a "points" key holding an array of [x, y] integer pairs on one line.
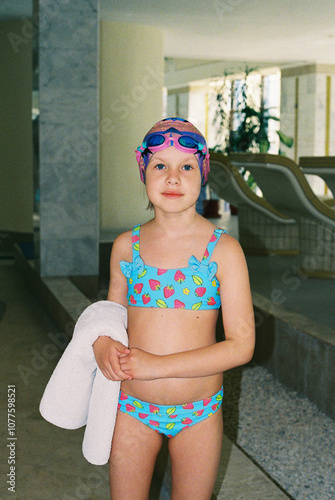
{"points": [[172, 194]]}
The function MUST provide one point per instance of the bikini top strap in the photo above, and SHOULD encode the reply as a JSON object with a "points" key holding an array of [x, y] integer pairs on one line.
{"points": [[136, 241], [212, 244]]}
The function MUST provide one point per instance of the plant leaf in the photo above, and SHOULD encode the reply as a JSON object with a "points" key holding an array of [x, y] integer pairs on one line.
{"points": [[285, 139]]}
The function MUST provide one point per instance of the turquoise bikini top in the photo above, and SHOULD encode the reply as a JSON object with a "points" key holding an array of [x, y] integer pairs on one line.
{"points": [[193, 287]]}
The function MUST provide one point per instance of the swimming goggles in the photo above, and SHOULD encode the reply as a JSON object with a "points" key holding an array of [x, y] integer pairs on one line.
{"points": [[187, 142]]}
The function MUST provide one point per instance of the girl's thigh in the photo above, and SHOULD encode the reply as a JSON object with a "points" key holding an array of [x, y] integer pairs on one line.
{"points": [[195, 457], [133, 456]]}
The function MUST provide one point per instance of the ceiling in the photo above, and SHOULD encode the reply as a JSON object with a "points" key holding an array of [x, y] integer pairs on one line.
{"points": [[283, 32], [279, 31]]}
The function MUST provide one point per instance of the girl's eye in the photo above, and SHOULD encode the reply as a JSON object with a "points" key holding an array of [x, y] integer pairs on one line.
{"points": [[188, 167], [160, 166]]}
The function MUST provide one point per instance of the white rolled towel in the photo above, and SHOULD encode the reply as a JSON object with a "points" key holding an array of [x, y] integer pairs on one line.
{"points": [[77, 393]]}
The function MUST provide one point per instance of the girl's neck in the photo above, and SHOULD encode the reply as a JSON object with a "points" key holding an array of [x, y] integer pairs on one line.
{"points": [[175, 223]]}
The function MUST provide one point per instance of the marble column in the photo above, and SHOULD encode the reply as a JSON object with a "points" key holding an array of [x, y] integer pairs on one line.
{"points": [[308, 109], [308, 114], [68, 128]]}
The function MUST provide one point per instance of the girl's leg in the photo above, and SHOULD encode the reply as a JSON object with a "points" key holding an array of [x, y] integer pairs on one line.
{"points": [[134, 451], [195, 456]]}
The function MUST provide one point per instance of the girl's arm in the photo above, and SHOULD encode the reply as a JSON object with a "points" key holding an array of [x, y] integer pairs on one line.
{"points": [[238, 321], [107, 352]]}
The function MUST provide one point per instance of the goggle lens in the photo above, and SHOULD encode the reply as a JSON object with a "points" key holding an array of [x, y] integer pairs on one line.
{"points": [[155, 140], [188, 142]]}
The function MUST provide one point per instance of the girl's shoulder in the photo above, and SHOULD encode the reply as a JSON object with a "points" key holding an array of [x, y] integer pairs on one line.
{"points": [[229, 254], [228, 244], [123, 241], [123, 238], [122, 246]]}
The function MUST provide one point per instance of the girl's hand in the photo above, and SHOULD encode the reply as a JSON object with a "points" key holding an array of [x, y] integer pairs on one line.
{"points": [[107, 353], [140, 364]]}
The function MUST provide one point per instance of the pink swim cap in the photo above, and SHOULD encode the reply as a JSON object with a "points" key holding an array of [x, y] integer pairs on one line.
{"points": [[176, 132]]}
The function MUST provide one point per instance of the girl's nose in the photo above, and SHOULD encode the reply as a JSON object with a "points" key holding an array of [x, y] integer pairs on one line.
{"points": [[172, 178]]}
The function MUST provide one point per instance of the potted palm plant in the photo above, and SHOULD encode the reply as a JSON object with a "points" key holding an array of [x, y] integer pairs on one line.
{"points": [[252, 131]]}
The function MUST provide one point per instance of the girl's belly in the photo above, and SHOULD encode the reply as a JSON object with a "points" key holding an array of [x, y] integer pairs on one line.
{"points": [[166, 332], [173, 391]]}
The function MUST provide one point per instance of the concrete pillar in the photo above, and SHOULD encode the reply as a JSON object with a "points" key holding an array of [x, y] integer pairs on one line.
{"points": [[68, 98], [131, 101]]}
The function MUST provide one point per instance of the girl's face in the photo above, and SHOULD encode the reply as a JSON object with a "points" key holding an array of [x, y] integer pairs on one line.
{"points": [[173, 180]]}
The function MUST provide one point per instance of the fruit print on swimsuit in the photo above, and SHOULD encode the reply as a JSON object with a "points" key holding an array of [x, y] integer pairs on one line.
{"points": [[169, 420], [195, 287]]}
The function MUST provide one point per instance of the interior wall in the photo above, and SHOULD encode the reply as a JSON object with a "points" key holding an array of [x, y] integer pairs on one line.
{"points": [[131, 101], [16, 158]]}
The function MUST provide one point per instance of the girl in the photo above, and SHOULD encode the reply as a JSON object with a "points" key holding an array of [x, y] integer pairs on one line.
{"points": [[173, 273]]}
